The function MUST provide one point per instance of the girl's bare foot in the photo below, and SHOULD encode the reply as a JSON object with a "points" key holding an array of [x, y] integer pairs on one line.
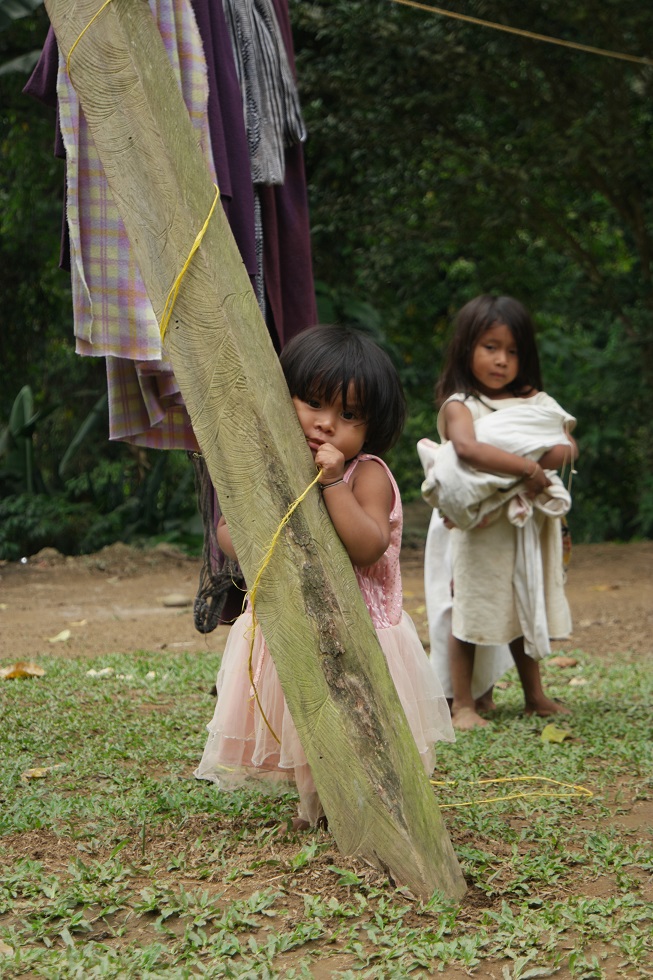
{"points": [[465, 719], [485, 703], [298, 823], [545, 707]]}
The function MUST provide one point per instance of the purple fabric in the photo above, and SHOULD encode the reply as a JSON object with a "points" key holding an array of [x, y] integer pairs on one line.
{"points": [[288, 269], [42, 85], [230, 154], [287, 264]]}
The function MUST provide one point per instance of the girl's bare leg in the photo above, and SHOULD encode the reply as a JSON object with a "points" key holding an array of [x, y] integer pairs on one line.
{"points": [[461, 664], [486, 701], [535, 700]]}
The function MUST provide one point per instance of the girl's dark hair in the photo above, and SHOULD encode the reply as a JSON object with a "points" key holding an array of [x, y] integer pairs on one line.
{"points": [[470, 324], [323, 361]]}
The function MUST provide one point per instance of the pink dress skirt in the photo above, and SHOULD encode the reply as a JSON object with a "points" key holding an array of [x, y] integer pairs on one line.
{"points": [[242, 748]]}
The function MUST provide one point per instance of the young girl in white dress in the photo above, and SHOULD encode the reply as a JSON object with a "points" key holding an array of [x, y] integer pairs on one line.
{"points": [[351, 408], [474, 604]]}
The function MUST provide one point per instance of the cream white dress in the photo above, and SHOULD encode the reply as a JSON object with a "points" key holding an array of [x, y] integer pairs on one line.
{"points": [[469, 578]]}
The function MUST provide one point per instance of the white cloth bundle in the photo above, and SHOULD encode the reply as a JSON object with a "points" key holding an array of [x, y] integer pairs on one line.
{"points": [[467, 496]]}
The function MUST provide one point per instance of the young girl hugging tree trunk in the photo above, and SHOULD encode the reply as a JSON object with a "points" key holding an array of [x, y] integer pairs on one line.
{"points": [[351, 408]]}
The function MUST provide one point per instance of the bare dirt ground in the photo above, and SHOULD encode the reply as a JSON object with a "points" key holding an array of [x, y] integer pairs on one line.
{"points": [[123, 599]]}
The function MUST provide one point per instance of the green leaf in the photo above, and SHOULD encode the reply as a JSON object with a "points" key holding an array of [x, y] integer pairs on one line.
{"points": [[345, 877], [23, 64], [11, 10], [551, 733], [85, 428]]}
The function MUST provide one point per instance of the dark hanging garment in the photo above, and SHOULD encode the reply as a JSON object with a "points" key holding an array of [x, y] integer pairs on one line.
{"points": [[227, 128], [42, 85]]}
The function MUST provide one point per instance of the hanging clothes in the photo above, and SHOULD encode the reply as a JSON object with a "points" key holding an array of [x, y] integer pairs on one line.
{"points": [[269, 221], [145, 406], [287, 264]]}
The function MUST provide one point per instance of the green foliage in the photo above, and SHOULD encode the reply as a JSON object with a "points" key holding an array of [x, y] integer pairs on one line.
{"points": [[118, 863], [16, 449], [36, 347], [29, 522], [85, 429], [86, 499], [134, 497], [11, 10], [446, 160]]}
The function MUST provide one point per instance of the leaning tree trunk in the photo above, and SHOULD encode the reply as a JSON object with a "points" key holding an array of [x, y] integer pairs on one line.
{"points": [[366, 767]]}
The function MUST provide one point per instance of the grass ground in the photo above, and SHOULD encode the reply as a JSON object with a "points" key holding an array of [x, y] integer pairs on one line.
{"points": [[116, 862]]}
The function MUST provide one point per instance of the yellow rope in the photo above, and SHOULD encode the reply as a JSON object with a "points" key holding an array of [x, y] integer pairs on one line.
{"points": [[105, 4], [577, 790], [588, 49], [172, 295], [251, 596], [252, 592]]}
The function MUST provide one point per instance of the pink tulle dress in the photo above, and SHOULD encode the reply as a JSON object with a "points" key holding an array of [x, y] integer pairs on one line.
{"points": [[241, 749]]}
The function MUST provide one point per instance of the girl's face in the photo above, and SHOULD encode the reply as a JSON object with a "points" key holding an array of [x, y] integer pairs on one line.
{"points": [[495, 361], [328, 422]]}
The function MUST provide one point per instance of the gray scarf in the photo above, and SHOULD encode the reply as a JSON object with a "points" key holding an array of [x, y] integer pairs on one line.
{"points": [[273, 118]]}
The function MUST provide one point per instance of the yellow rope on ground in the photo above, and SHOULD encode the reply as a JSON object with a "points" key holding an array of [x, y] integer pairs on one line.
{"points": [[587, 48], [577, 790], [251, 595], [172, 295]]}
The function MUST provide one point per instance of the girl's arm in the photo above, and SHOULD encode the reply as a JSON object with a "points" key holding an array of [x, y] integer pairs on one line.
{"points": [[224, 539], [459, 428], [360, 509], [559, 456]]}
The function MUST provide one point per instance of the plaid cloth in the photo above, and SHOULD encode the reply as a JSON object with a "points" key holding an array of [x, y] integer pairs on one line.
{"points": [[113, 316], [145, 406]]}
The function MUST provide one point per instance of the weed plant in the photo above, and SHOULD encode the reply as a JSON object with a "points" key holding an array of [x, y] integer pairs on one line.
{"points": [[118, 863]]}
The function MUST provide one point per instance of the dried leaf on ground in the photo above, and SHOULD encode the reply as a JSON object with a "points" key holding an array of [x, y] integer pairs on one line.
{"points": [[551, 733], [562, 661], [60, 637], [39, 772], [21, 669]]}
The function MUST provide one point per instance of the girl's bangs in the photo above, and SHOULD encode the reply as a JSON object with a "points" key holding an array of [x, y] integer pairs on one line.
{"points": [[335, 384]]}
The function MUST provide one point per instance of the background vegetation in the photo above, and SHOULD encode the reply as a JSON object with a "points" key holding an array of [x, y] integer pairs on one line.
{"points": [[444, 160]]}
